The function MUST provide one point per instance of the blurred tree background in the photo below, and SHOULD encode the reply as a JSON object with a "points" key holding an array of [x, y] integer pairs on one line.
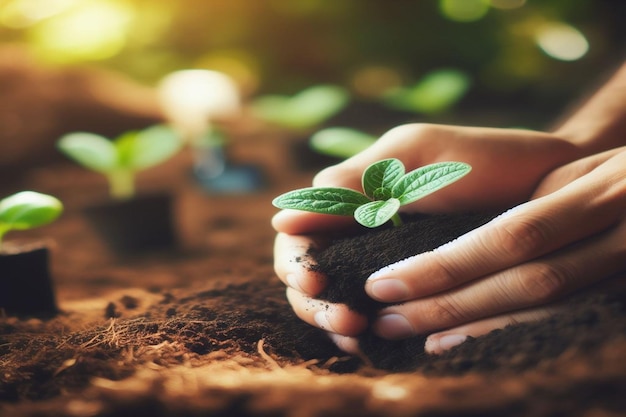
{"points": [[493, 58]]}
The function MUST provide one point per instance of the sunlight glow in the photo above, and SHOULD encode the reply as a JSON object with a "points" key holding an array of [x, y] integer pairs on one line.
{"points": [[94, 31], [384, 390], [562, 41], [192, 98], [19, 14]]}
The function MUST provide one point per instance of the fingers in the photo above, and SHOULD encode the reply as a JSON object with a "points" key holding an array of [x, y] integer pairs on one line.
{"points": [[334, 318], [437, 343], [572, 171], [292, 264], [530, 284], [346, 343], [583, 208], [295, 222]]}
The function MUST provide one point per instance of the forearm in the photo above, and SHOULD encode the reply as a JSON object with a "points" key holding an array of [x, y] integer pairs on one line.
{"points": [[600, 124]]}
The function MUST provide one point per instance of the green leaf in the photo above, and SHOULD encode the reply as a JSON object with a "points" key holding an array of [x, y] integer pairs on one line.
{"points": [[90, 150], [149, 147], [380, 177], [340, 142], [305, 110], [28, 209], [428, 179], [318, 103], [124, 145], [327, 200], [437, 92], [376, 213]]}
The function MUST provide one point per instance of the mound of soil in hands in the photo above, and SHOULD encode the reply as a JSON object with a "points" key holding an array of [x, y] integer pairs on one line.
{"points": [[348, 262]]}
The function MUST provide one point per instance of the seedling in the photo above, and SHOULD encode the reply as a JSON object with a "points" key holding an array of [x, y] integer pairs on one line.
{"points": [[120, 159], [27, 210], [436, 93], [340, 142], [386, 188], [303, 111]]}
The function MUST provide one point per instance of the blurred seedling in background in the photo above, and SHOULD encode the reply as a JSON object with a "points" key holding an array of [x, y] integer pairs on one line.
{"points": [[303, 111], [120, 159], [27, 210], [386, 188], [340, 142], [436, 92]]}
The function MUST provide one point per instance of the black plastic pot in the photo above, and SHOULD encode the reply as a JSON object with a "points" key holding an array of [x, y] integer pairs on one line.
{"points": [[26, 287], [137, 225]]}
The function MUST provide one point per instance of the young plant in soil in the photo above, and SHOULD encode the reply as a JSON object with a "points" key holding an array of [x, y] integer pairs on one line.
{"points": [[120, 159], [347, 261], [27, 210], [129, 223], [25, 283], [386, 187]]}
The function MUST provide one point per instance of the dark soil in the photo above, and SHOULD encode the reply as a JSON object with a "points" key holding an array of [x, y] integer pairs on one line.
{"points": [[347, 262], [205, 329]]}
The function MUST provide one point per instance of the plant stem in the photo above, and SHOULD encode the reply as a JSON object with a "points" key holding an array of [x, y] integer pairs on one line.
{"points": [[397, 220], [121, 184], [3, 231]]}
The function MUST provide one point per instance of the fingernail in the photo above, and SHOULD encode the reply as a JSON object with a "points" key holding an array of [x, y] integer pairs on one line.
{"points": [[451, 340], [293, 281], [347, 344], [321, 318], [393, 326], [438, 344], [389, 290], [387, 269]]}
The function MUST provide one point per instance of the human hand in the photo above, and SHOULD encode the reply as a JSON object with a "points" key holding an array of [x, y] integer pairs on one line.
{"points": [[501, 175], [519, 267]]}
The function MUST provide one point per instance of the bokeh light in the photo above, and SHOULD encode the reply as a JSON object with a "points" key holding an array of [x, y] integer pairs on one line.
{"points": [[192, 99], [561, 41]]}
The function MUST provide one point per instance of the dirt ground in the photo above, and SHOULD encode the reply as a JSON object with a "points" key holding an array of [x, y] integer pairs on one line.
{"points": [[204, 329]]}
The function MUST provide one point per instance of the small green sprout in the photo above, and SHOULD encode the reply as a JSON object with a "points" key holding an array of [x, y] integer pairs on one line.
{"points": [[120, 159], [386, 188], [27, 210]]}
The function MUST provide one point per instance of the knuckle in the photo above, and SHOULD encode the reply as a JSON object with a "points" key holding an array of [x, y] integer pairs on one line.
{"points": [[544, 282], [523, 239], [444, 311], [327, 176], [414, 131]]}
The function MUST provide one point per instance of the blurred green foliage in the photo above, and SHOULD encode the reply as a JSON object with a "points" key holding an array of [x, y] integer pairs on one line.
{"points": [[507, 49]]}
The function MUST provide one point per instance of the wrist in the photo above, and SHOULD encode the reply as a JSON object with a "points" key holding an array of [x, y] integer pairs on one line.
{"points": [[600, 124]]}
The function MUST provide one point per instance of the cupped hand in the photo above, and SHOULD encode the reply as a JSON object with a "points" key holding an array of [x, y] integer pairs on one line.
{"points": [[507, 166], [570, 237]]}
